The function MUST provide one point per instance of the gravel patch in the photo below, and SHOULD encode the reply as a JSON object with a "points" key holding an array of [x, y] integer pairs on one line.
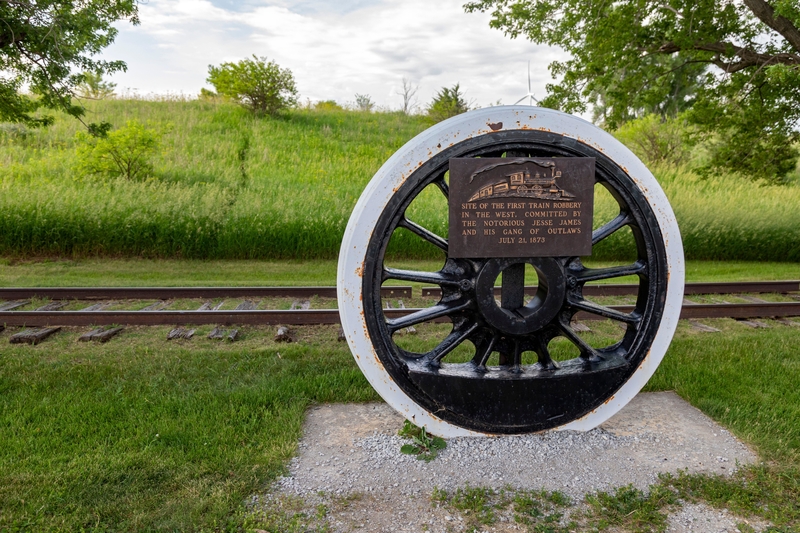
{"points": [[354, 450], [700, 518]]}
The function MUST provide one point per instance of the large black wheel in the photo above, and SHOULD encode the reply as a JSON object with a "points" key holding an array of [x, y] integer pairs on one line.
{"points": [[510, 383]]}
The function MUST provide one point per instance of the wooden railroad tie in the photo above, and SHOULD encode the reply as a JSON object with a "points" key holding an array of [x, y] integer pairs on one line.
{"points": [[8, 306], [102, 334], [32, 336], [181, 333], [218, 334]]}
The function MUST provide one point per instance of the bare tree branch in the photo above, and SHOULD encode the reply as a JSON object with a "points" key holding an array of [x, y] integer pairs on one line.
{"points": [[408, 92]]}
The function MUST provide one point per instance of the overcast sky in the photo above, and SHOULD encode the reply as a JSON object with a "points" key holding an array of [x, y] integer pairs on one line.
{"points": [[335, 49]]}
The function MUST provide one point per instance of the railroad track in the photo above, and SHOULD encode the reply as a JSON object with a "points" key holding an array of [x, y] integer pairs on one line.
{"points": [[94, 316]]}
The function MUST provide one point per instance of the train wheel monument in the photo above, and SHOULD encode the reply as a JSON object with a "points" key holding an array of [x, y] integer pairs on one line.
{"points": [[520, 185]]}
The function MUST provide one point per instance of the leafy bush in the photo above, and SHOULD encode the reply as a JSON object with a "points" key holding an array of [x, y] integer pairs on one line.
{"points": [[447, 103], [124, 152], [209, 96], [656, 140], [364, 103], [14, 131], [260, 86], [94, 87], [327, 105]]}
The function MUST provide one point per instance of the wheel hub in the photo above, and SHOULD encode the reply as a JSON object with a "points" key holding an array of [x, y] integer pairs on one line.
{"points": [[513, 316]]}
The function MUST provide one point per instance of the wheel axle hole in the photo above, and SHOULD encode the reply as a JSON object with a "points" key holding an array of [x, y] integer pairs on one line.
{"points": [[518, 277], [531, 283]]}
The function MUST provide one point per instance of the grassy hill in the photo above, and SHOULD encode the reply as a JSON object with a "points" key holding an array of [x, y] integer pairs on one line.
{"points": [[228, 185]]}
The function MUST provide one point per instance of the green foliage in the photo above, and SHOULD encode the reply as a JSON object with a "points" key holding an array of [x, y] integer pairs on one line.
{"points": [[423, 445], [364, 103], [14, 131], [756, 142], [447, 103], [327, 105], [42, 43], [208, 96], [124, 152], [260, 86], [99, 130], [286, 514], [668, 96], [475, 502], [763, 490], [94, 87], [539, 511], [233, 186], [632, 509], [737, 64], [656, 140]]}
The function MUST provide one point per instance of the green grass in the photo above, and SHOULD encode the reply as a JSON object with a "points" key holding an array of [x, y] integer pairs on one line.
{"points": [[226, 185], [631, 509], [140, 434], [118, 272], [231, 186]]}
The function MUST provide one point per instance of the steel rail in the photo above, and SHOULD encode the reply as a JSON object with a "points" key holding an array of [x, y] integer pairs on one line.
{"points": [[168, 293], [690, 288], [331, 316]]}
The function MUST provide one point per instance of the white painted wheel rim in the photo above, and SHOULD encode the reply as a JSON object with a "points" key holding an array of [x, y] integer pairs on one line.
{"points": [[421, 148]]}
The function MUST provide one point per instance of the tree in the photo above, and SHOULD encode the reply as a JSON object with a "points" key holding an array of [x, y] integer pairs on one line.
{"points": [[364, 103], [409, 101], [93, 86], [261, 86], [447, 103], [745, 102], [44, 42], [678, 95], [124, 152]]}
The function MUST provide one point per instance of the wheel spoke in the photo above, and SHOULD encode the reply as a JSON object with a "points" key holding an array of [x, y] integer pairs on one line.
{"points": [[425, 315], [456, 337], [621, 220], [443, 186], [434, 278], [607, 312], [512, 357], [424, 233], [587, 352], [543, 352], [517, 362], [484, 351], [595, 274]]}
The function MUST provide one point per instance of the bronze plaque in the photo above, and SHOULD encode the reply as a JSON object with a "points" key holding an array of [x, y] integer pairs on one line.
{"points": [[521, 207]]}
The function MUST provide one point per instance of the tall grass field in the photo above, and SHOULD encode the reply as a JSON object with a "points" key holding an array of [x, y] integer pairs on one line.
{"points": [[227, 185]]}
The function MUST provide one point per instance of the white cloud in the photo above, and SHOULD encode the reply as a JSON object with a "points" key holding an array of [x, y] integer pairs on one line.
{"points": [[364, 47]]}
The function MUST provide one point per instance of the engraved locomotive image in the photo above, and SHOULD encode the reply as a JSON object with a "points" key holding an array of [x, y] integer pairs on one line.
{"points": [[523, 184]]}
